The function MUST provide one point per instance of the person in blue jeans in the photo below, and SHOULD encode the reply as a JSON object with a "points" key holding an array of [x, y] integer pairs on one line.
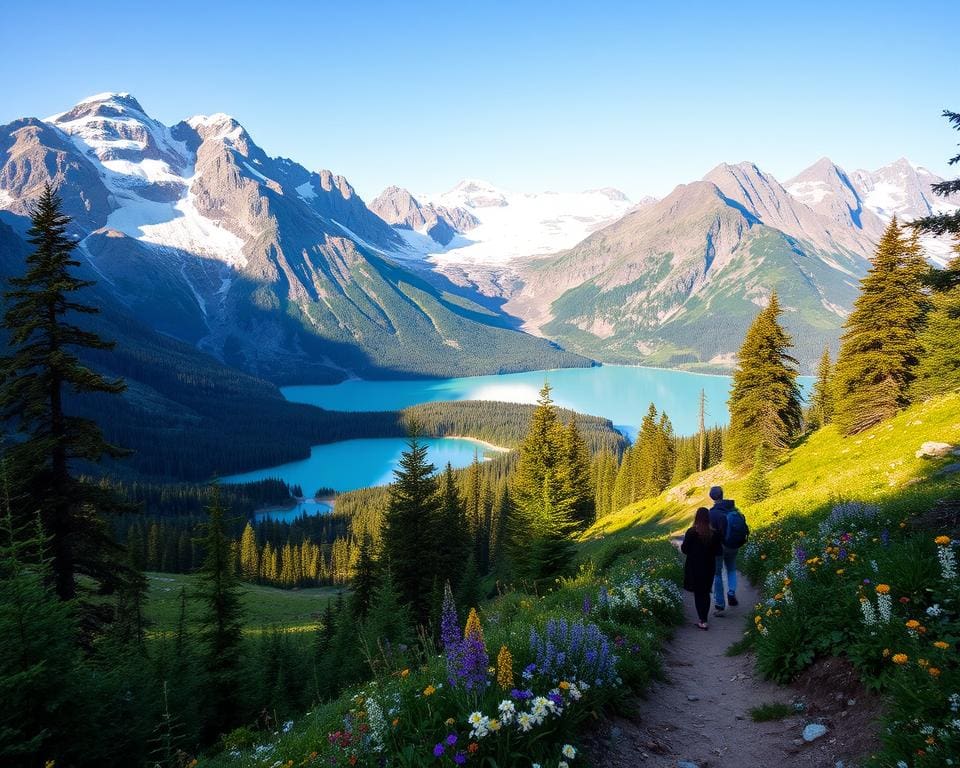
{"points": [[728, 557]]}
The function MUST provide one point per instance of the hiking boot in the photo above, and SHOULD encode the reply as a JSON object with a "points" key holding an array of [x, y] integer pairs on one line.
{"points": [[718, 610], [732, 600]]}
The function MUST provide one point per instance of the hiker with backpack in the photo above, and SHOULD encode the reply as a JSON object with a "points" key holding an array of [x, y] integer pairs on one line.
{"points": [[701, 544], [732, 526]]}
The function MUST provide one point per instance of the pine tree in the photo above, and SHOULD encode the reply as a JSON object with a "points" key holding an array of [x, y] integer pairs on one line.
{"points": [[604, 478], [249, 554], [453, 531], [939, 368], [365, 578], [41, 367], [821, 399], [943, 223], [38, 659], [880, 347], [221, 621], [664, 455], [765, 399], [540, 516], [757, 486], [702, 432], [410, 529], [388, 623], [575, 475]]}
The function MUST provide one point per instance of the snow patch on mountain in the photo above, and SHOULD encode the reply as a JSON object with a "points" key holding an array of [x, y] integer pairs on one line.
{"points": [[516, 224], [306, 190], [132, 152]]}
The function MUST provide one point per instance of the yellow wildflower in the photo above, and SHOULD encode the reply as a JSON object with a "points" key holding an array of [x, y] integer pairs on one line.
{"points": [[563, 685], [886, 652], [473, 628], [922, 662], [450, 721], [839, 571], [934, 671], [941, 645], [900, 658], [505, 668], [404, 673], [942, 541], [429, 690], [912, 624], [883, 589]]}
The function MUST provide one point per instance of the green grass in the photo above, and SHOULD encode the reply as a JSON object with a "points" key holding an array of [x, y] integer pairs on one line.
{"points": [[774, 710], [265, 607], [877, 466]]}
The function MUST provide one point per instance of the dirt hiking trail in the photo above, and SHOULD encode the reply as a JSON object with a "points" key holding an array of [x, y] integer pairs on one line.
{"points": [[699, 717]]}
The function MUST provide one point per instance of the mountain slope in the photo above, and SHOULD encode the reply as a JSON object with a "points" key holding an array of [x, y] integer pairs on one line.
{"points": [[678, 281], [271, 268], [878, 466]]}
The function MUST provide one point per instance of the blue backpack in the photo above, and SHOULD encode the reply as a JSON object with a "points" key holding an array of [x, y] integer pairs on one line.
{"points": [[737, 529]]}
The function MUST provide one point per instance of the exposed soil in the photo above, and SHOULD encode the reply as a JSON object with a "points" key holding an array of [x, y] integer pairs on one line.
{"points": [[701, 712]]}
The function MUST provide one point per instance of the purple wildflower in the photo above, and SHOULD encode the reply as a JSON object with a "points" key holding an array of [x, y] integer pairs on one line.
{"points": [[801, 555], [472, 662], [449, 625], [556, 698], [438, 750], [586, 605], [460, 758], [885, 537], [451, 739]]}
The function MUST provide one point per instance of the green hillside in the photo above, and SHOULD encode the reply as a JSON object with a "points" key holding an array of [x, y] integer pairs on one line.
{"points": [[877, 466]]}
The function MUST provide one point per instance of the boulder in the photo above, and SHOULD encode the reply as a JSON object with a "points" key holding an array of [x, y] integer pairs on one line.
{"points": [[814, 731], [933, 450]]}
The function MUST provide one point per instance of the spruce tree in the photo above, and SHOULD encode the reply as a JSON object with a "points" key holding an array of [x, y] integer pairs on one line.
{"points": [[249, 554], [39, 664], [410, 533], [221, 622], [820, 412], [938, 370], [456, 543], [765, 398], [541, 510], [880, 347], [365, 577], [40, 370], [949, 222], [388, 624], [757, 486], [575, 474]]}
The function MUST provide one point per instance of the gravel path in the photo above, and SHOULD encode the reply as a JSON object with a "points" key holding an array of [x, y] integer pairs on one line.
{"points": [[700, 716]]}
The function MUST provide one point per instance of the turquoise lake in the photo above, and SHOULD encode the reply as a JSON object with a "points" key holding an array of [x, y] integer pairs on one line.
{"points": [[353, 464], [616, 392], [289, 514]]}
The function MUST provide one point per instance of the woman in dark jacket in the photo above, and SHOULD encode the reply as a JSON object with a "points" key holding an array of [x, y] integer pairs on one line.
{"points": [[701, 545]]}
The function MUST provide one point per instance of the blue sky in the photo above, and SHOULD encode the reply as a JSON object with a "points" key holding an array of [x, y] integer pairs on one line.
{"points": [[529, 96]]}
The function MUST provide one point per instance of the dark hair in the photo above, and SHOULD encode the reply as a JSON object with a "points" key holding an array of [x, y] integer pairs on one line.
{"points": [[716, 493], [701, 524]]}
